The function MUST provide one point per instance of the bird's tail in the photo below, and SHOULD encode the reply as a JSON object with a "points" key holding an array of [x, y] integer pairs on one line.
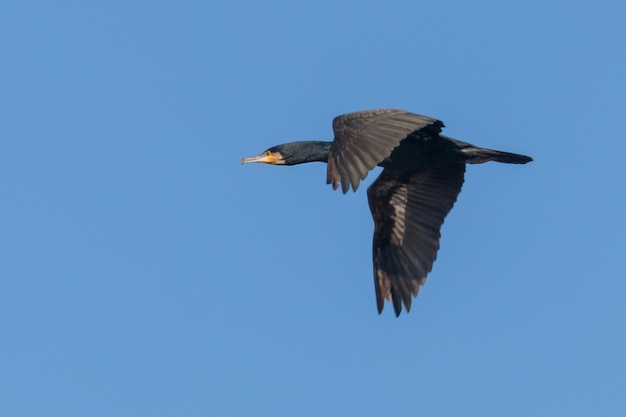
{"points": [[477, 155]]}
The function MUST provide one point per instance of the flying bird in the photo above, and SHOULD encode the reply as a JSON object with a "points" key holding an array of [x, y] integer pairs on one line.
{"points": [[423, 172]]}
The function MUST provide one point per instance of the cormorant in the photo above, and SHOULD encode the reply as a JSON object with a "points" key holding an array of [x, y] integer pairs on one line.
{"points": [[422, 176]]}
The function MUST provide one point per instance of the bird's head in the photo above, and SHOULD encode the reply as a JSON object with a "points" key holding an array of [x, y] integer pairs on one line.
{"points": [[292, 153], [273, 155]]}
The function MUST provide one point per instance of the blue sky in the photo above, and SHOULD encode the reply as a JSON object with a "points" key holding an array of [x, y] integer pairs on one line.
{"points": [[143, 271]]}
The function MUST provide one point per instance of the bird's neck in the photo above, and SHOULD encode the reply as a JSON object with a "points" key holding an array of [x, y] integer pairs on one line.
{"points": [[315, 151]]}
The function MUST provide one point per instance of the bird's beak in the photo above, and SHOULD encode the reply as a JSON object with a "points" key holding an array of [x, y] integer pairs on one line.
{"points": [[265, 158]]}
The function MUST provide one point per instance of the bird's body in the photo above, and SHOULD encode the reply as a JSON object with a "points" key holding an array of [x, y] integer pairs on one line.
{"points": [[422, 177]]}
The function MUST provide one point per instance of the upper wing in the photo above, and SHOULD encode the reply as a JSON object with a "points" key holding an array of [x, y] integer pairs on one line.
{"points": [[364, 139], [408, 210]]}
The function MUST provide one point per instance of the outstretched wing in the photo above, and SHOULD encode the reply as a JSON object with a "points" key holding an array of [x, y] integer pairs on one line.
{"points": [[408, 210], [364, 139]]}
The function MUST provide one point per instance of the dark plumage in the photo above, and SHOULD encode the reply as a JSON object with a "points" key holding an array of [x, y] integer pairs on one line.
{"points": [[422, 177]]}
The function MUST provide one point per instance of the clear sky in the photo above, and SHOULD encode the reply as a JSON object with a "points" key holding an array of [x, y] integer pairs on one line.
{"points": [[145, 272]]}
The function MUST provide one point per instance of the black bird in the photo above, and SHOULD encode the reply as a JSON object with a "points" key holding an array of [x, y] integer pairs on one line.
{"points": [[421, 179]]}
